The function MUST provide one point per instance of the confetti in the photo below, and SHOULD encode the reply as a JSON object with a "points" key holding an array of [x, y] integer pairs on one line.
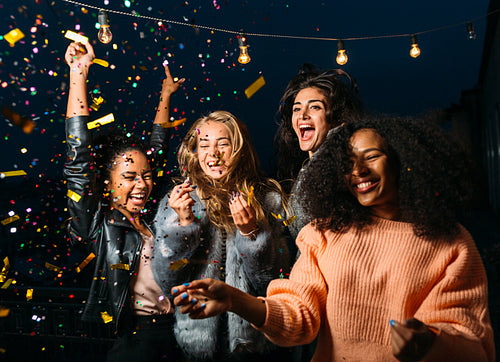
{"points": [[178, 264], [285, 222], [13, 36], [25, 123], [52, 267], [173, 124], [4, 312], [73, 196], [101, 62], [7, 283], [120, 266], [29, 294], [84, 263], [5, 269], [76, 37], [10, 219], [12, 173], [96, 103], [255, 86], [106, 317], [250, 195], [101, 121]]}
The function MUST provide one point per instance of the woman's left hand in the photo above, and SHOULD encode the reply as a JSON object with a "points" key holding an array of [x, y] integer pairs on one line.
{"points": [[411, 340], [244, 216]]}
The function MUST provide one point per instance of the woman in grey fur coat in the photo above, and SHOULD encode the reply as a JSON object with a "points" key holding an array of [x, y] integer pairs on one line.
{"points": [[225, 221]]}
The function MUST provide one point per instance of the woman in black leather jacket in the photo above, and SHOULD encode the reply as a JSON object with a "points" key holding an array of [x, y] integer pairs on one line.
{"points": [[123, 291]]}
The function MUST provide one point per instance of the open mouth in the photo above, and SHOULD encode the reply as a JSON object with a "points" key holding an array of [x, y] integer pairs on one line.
{"points": [[137, 199], [306, 131], [365, 186]]}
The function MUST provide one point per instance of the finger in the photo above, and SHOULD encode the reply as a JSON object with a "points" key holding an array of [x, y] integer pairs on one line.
{"points": [[403, 331], [414, 323], [90, 49]]}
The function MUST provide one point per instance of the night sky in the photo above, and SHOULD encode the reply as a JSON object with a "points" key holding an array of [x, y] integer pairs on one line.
{"points": [[33, 75]]}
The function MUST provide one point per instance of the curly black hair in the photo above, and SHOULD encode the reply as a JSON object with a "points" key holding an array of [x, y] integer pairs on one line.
{"points": [[106, 147], [341, 92], [433, 173]]}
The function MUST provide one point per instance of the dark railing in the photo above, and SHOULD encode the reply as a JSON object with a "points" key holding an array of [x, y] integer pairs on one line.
{"points": [[49, 327]]}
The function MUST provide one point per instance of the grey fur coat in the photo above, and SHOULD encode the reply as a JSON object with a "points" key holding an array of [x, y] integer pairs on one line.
{"points": [[246, 264]]}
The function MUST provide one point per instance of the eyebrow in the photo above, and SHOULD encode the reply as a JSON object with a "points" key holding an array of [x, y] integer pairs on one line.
{"points": [[311, 101], [369, 150], [217, 139]]}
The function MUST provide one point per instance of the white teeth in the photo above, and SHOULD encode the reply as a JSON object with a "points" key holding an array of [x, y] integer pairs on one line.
{"points": [[211, 163], [138, 196], [305, 126], [363, 185]]}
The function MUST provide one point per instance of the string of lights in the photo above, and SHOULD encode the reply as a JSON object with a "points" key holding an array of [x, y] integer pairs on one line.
{"points": [[243, 36]]}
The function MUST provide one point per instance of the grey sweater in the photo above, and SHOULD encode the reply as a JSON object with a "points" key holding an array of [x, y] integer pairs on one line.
{"points": [[243, 263]]}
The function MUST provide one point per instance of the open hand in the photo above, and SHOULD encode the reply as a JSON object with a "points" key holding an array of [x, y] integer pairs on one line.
{"points": [[79, 55], [244, 216], [169, 86], [203, 298], [411, 340]]}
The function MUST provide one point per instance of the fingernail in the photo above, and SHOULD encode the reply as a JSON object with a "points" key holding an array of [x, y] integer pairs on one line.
{"points": [[186, 284], [194, 301], [175, 290], [392, 322], [184, 295], [203, 305]]}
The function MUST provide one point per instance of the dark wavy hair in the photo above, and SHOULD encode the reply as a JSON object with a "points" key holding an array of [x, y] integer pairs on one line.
{"points": [[341, 93], [106, 147], [433, 173]]}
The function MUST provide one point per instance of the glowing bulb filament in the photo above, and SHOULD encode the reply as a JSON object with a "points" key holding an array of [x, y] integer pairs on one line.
{"points": [[415, 50], [104, 35], [244, 57], [341, 55]]}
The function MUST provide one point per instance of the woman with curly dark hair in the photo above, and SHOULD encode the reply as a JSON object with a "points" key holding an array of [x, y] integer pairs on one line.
{"points": [[313, 103], [385, 270]]}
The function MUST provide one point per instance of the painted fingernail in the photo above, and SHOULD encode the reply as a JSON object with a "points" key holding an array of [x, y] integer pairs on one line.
{"points": [[203, 305], [186, 284], [392, 322], [194, 301], [184, 295], [175, 290]]}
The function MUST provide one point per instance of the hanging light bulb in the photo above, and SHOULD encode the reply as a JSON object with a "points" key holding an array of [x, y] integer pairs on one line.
{"points": [[415, 50], [341, 54], [470, 30], [244, 57], [104, 35]]}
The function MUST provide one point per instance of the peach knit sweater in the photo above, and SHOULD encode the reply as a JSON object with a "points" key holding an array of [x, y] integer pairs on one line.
{"points": [[348, 286]]}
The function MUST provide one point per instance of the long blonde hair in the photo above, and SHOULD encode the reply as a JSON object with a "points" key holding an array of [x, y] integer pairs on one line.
{"points": [[243, 173]]}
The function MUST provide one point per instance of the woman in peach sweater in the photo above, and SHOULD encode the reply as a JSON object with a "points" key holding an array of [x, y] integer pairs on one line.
{"points": [[385, 270]]}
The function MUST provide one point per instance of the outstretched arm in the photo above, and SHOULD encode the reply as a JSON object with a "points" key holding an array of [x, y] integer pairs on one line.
{"points": [[169, 87], [209, 297], [79, 58]]}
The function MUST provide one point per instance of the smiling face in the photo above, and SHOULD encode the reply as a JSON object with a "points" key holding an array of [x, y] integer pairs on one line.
{"points": [[373, 180], [131, 181], [309, 119], [214, 149]]}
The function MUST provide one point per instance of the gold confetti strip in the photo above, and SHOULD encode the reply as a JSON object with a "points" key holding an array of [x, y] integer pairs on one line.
{"points": [[176, 265], [96, 103], [276, 216], [4, 312], [250, 195], [52, 267], [120, 266], [10, 219], [13, 36], [101, 62], [173, 124], [7, 283], [73, 196], [13, 173], [76, 37], [5, 269], [160, 173], [106, 317], [255, 86], [289, 221], [84, 263], [101, 121], [29, 294]]}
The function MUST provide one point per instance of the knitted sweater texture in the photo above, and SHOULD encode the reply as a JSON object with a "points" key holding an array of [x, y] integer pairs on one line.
{"points": [[348, 286]]}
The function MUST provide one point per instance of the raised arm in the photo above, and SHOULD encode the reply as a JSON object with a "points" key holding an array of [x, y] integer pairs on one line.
{"points": [[79, 58], [169, 87]]}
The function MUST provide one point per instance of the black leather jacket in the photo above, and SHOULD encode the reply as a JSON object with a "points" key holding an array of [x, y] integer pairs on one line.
{"points": [[107, 234]]}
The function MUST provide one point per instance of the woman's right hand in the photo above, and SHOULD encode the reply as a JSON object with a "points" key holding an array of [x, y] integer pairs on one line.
{"points": [[79, 55], [181, 201]]}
